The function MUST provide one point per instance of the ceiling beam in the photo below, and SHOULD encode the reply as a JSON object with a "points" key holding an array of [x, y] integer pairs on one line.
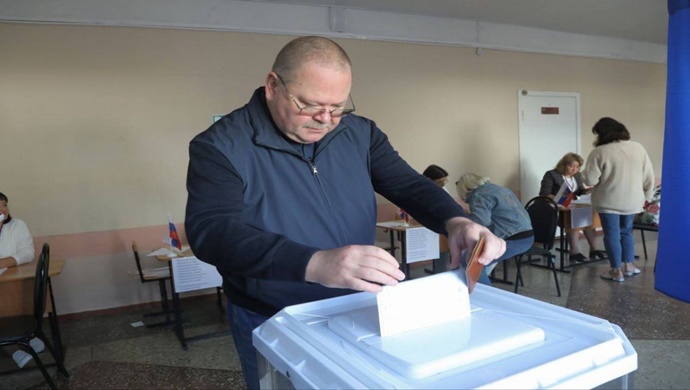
{"points": [[334, 22]]}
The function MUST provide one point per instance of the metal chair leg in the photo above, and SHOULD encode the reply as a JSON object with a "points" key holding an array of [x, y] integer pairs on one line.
{"points": [[552, 264], [27, 348], [164, 300], [644, 244], [56, 353], [518, 277]]}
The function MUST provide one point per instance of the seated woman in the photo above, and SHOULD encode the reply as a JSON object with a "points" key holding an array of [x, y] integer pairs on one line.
{"points": [[440, 177], [16, 247], [567, 171], [500, 210], [16, 243], [437, 174]]}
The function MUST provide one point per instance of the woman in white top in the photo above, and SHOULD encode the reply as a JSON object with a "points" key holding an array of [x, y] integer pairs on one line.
{"points": [[16, 243], [16, 247], [622, 176]]}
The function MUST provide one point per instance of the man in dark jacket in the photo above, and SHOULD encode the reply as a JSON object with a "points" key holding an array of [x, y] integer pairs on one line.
{"points": [[281, 195]]}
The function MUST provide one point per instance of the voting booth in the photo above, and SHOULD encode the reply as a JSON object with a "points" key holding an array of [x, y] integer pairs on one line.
{"points": [[489, 339]]}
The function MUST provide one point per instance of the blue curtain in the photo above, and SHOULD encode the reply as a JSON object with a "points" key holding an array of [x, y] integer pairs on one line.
{"points": [[673, 257]]}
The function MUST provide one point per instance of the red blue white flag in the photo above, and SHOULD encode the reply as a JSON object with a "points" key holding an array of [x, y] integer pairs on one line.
{"points": [[174, 238], [404, 216]]}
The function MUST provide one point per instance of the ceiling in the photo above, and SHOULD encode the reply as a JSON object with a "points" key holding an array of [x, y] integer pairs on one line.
{"points": [[637, 20]]}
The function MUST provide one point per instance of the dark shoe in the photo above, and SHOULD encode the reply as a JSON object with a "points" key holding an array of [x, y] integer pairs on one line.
{"points": [[615, 274], [597, 255], [578, 258]]}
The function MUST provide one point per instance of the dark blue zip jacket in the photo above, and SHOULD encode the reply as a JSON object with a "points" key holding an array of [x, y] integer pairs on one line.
{"points": [[258, 210]]}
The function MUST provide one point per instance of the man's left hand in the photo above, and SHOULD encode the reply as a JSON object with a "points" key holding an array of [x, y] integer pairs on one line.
{"points": [[463, 234]]}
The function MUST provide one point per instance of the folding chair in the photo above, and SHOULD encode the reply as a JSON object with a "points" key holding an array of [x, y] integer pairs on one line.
{"points": [[543, 213]]}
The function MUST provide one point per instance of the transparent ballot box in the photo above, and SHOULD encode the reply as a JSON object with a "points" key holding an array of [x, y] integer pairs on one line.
{"points": [[508, 341]]}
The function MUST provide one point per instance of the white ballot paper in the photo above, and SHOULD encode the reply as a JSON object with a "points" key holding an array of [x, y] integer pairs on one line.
{"points": [[421, 244], [583, 199], [391, 224], [169, 253], [423, 302], [190, 274]]}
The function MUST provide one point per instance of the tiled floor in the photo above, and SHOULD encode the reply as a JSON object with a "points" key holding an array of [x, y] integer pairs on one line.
{"points": [[106, 352]]}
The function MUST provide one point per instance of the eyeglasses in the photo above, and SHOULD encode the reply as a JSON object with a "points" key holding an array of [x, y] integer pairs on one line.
{"points": [[317, 110]]}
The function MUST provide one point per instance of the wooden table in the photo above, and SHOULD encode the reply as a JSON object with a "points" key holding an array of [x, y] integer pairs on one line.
{"points": [[17, 288], [398, 228], [401, 230]]}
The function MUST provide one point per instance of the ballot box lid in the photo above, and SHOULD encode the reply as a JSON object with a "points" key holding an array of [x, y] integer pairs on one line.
{"points": [[509, 341]]}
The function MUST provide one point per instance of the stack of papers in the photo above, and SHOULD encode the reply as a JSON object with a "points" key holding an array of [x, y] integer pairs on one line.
{"points": [[583, 199], [167, 252]]}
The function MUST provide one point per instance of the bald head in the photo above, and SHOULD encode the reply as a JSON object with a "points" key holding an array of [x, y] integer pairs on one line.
{"points": [[311, 49]]}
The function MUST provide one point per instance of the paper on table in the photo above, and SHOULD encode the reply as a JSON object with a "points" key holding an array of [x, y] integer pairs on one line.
{"points": [[162, 252], [167, 252], [583, 199], [391, 224], [423, 302], [2, 270], [421, 244], [190, 274]]}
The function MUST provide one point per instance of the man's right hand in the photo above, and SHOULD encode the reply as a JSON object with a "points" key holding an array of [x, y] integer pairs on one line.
{"points": [[357, 267]]}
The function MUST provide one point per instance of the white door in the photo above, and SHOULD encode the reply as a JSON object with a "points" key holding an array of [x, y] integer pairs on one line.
{"points": [[549, 126]]}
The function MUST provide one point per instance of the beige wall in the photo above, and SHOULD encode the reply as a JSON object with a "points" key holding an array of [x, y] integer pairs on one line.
{"points": [[95, 121]]}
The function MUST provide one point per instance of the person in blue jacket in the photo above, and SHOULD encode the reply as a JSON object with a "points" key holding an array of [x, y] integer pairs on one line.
{"points": [[281, 195], [499, 209]]}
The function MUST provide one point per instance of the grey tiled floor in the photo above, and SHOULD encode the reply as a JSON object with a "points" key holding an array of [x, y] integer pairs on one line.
{"points": [[106, 352]]}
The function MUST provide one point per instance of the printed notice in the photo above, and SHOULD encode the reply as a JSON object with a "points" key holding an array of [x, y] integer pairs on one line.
{"points": [[580, 217], [421, 244], [190, 274]]}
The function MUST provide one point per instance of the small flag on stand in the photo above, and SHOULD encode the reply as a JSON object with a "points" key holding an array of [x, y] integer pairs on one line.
{"points": [[405, 216], [174, 238]]}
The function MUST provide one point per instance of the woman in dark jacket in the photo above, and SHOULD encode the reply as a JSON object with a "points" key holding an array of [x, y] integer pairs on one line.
{"points": [[568, 171]]}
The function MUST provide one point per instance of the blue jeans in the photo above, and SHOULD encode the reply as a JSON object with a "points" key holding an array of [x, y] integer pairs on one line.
{"points": [[242, 323], [618, 238], [513, 248]]}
